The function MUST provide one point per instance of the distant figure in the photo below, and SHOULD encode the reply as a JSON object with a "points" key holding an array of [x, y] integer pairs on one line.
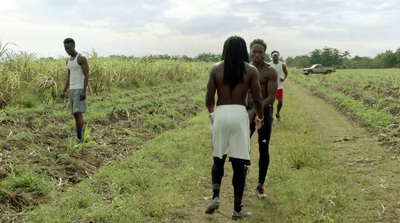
{"points": [[279, 67], [232, 78], [77, 82], [269, 85]]}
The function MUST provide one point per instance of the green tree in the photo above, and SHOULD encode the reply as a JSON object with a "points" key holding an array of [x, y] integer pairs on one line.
{"points": [[315, 56], [398, 57], [208, 57], [298, 61], [387, 59]]}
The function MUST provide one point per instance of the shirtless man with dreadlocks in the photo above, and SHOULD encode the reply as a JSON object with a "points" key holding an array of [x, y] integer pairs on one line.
{"points": [[231, 79]]}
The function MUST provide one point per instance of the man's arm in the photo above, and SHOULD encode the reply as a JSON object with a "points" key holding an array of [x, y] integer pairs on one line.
{"points": [[256, 93], [211, 89], [272, 87], [85, 68], [285, 71], [66, 84]]}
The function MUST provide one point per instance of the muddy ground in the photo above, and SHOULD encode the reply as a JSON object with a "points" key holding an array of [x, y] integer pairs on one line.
{"points": [[44, 143]]}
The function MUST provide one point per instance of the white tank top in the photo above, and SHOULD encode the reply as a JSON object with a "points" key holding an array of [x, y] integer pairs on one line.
{"points": [[279, 70], [76, 77]]}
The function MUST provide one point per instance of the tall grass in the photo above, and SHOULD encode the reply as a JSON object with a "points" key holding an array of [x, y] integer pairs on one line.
{"points": [[22, 73], [370, 95]]}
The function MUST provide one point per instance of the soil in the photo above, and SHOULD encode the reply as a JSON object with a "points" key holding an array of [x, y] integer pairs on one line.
{"points": [[42, 151]]}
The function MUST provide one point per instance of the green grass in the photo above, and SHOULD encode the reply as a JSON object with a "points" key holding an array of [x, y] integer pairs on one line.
{"points": [[36, 184], [169, 176], [368, 95], [117, 124], [141, 188], [28, 81]]}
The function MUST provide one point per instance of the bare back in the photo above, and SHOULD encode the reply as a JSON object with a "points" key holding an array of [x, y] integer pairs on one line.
{"points": [[237, 95]]}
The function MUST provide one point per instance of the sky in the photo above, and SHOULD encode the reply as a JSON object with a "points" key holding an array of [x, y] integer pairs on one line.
{"points": [[190, 27]]}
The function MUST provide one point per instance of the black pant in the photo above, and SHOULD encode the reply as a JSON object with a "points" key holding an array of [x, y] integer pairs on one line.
{"points": [[238, 180], [264, 135]]}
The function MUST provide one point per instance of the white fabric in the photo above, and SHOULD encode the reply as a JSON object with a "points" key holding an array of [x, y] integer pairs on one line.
{"points": [[279, 70], [231, 132], [76, 78], [275, 54]]}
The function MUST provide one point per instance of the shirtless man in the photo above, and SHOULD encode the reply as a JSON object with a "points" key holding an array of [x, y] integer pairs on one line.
{"points": [[232, 78], [268, 82]]}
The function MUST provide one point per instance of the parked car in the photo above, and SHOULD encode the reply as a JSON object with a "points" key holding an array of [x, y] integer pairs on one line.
{"points": [[318, 69]]}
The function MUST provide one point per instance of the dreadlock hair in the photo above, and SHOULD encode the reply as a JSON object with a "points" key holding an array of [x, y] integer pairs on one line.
{"points": [[259, 41], [234, 55], [69, 40]]}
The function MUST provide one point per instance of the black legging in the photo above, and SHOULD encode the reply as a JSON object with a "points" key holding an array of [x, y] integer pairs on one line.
{"points": [[238, 180], [217, 171], [264, 135]]}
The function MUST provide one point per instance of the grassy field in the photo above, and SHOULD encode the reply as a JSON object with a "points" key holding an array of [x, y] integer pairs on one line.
{"points": [[23, 76], [315, 176], [371, 97], [146, 158], [130, 102]]}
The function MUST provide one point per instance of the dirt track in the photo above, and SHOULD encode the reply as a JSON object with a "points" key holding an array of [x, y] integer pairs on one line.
{"points": [[370, 172]]}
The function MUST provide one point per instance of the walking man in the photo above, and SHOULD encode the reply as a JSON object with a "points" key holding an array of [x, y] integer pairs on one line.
{"points": [[232, 78], [268, 84], [279, 67], [77, 82]]}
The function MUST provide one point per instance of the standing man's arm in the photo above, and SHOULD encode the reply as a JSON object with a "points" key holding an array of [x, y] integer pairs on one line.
{"points": [[85, 68], [66, 85], [256, 95], [285, 71], [272, 87], [211, 89]]}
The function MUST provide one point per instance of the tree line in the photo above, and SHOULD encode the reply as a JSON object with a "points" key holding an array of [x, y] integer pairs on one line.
{"points": [[342, 60], [326, 56]]}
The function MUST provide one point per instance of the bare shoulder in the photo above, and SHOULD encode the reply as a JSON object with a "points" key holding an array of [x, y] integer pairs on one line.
{"points": [[271, 73], [250, 69], [217, 67], [81, 59]]}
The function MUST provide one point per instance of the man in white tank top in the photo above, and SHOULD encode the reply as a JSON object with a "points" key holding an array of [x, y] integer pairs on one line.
{"points": [[279, 67], [77, 82]]}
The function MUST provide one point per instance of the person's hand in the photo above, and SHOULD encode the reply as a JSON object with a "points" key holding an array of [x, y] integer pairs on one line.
{"points": [[63, 96], [259, 122], [83, 96], [259, 125], [211, 116]]}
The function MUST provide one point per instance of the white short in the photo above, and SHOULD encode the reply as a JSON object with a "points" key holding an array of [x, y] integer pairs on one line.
{"points": [[230, 132]]}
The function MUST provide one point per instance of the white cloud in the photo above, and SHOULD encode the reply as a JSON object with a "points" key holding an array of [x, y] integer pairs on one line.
{"points": [[251, 16], [143, 27], [372, 20], [150, 7], [7, 6], [374, 5], [185, 10], [157, 29]]}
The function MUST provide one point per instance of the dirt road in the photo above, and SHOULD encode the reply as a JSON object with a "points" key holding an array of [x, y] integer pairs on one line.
{"points": [[356, 181]]}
